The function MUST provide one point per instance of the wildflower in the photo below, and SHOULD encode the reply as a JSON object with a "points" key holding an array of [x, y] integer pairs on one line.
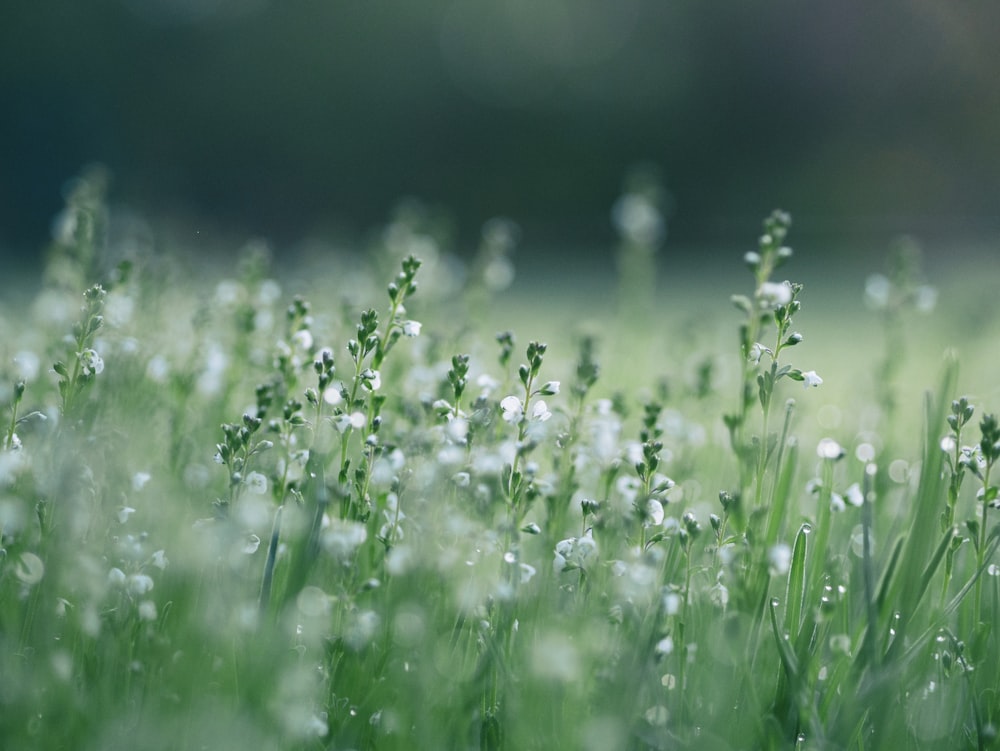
{"points": [[124, 513], [90, 362], [540, 411], [116, 577], [411, 328], [779, 559], [251, 545], [371, 379], [756, 352], [665, 646], [809, 378], [654, 513], [139, 584], [139, 480], [256, 483], [512, 409], [551, 388], [854, 496], [160, 559], [303, 339], [837, 502], [829, 449], [527, 571], [147, 610], [774, 294], [487, 384]]}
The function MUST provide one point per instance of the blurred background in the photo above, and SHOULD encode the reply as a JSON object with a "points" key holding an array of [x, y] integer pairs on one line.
{"points": [[307, 121]]}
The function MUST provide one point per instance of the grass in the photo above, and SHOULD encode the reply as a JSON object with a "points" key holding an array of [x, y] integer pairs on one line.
{"points": [[275, 511]]}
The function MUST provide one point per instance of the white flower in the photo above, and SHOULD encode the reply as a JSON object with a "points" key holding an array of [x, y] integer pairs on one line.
{"points": [[256, 483], [877, 291], [139, 584], [540, 411], [332, 395], [829, 449], [809, 378], [774, 294], [147, 610], [116, 577], [512, 408], [303, 339], [90, 362], [854, 496], [160, 559], [756, 352], [487, 384], [251, 544], [665, 646], [837, 502], [779, 559], [654, 513], [925, 299], [411, 328], [139, 480], [124, 513], [371, 380], [551, 388]]}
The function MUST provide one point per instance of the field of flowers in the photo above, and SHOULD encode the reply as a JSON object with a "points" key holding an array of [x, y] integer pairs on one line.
{"points": [[391, 501]]}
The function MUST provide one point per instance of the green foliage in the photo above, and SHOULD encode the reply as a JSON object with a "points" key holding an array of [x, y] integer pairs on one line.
{"points": [[410, 548]]}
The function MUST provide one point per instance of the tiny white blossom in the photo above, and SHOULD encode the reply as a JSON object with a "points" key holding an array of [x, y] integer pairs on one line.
{"points": [[829, 449], [775, 294], [251, 544], [256, 483], [654, 513], [371, 380], [303, 339], [527, 571], [139, 480], [332, 395], [147, 610], [779, 559], [512, 409], [139, 584], [90, 362], [665, 645], [854, 496], [124, 513], [160, 559], [809, 378], [756, 352], [540, 411], [487, 384], [551, 388], [837, 502], [877, 291], [411, 328]]}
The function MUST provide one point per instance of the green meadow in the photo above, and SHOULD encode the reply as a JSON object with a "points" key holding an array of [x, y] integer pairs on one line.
{"points": [[393, 500]]}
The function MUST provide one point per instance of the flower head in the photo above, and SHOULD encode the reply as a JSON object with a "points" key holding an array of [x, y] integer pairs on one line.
{"points": [[91, 363], [809, 378], [512, 409], [774, 294]]}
